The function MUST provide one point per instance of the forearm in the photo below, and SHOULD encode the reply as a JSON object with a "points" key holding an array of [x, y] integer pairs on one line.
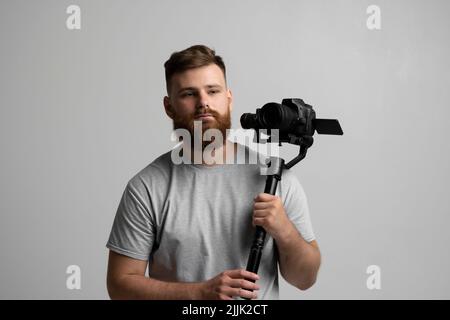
{"points": [[139, 287], [299, 260]]}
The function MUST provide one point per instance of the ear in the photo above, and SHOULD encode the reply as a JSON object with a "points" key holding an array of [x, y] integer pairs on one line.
{"points": [[168, 107], [230, 99]]}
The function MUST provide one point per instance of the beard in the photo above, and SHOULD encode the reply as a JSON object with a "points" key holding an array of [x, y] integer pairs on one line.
{"points": [[220, 122]]}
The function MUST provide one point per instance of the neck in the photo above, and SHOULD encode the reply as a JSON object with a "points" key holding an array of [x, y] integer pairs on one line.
{"points": [[215, 156]]}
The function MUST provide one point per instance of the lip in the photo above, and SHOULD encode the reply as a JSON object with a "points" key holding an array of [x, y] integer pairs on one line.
{"points": [[204, 116]]}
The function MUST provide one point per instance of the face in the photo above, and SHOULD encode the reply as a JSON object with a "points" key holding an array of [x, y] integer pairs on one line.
{"points": [[200, 94]]}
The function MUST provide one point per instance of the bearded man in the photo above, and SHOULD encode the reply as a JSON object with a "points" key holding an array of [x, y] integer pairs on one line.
{"points": [[192, 224]]}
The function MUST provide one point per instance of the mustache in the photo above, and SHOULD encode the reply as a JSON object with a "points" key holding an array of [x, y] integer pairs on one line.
{"points": [[213, 113]]}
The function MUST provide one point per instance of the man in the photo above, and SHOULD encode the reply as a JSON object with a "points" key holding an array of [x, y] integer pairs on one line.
{"points": [[193, 224]]}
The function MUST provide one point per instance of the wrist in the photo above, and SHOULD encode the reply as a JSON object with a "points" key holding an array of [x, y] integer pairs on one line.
{"points": [[197, 292], [287, 234]]}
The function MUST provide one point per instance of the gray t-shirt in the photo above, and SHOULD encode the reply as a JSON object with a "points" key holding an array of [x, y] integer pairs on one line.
{"points": [[192, 222]]}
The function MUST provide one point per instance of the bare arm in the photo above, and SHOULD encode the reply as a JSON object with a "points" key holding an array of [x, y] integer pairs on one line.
{"points": [[126, 280], [299, 260]]}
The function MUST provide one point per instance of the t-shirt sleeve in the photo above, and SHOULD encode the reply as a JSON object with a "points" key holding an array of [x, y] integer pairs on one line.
{"points": [[132, 233], [296, 205]]}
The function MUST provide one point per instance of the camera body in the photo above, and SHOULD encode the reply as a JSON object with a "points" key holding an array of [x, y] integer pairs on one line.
{"points": [[294, 119]]}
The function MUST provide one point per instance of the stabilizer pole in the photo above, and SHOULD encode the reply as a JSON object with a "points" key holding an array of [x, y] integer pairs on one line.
{"points": [[260, 234]]}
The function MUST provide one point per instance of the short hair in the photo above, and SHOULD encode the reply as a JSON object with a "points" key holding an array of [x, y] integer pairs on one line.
{"points": [[193, 57]]}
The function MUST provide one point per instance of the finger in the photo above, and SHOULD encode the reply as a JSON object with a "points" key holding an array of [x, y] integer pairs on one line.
{"points": [[241, 274], [262, 205], [264, 197], [247, 294], [244, 284], [260, 213], [237, 292], [225, 297], [259, 222]]}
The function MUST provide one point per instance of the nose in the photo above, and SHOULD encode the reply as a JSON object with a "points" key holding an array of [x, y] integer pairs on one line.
{"points": [[202, 100]]}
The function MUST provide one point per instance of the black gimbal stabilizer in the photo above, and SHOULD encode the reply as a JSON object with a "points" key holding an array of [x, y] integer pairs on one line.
{"points": [[296, 122]]}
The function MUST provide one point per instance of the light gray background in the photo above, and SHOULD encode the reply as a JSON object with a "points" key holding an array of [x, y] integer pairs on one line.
{"points": [[81, 112]]}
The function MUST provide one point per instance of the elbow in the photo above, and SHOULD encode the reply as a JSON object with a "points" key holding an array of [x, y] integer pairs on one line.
{"points": [[305, 285], [302, 284], [308, 280], [113, 289]]}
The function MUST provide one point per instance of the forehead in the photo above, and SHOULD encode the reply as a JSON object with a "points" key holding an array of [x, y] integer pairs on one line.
{"points": [[199, 77]]}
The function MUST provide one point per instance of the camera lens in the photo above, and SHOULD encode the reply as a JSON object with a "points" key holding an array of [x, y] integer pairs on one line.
{"points": [[249, 121], [271, 115], [277, 116]]}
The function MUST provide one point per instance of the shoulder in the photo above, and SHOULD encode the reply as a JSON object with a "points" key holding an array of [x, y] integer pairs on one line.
{"points": [[291, 187], [289, 176], [155, 173]]}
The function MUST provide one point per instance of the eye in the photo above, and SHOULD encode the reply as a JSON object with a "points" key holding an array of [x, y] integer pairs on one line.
{"points": [[213, 91], [187, 94]]}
